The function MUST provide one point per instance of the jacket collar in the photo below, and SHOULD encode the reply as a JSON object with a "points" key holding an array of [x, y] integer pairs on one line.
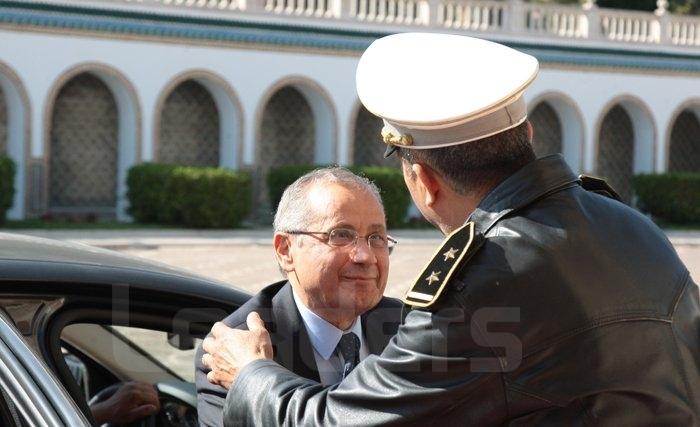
{"points": [[532, 182], [380, 323], [297, 354]]}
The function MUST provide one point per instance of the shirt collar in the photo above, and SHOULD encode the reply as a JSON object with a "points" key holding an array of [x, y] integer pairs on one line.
{"points": [[324, 336]]}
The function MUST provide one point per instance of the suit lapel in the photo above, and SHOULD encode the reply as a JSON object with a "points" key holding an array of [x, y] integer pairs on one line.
{"points": [[293, 348], [379, 325]]}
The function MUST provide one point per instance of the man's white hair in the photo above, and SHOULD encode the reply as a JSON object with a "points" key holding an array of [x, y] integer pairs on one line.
{"points": [[293, 211]]}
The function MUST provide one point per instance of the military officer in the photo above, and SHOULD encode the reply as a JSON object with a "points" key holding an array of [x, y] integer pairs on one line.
{"points": [[549, 302]]}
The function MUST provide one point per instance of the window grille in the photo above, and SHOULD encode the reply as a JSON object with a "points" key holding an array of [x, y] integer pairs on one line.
{"points": [[547, 137], [189, 127], [84, 147], [616, 151], [684, 150], [287, 137], [368, 148]]}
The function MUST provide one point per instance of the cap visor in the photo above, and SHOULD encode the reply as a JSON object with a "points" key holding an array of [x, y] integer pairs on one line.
{"points": [[389, 150]]}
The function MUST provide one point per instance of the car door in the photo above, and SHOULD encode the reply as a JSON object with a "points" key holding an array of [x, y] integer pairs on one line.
{"points": [[31, 395]]}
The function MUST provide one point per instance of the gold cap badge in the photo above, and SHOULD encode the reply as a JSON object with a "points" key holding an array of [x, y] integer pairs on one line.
{"points": [[391, 139]]}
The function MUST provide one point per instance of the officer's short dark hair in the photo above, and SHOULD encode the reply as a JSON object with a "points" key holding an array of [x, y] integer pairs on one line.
{"points": [[477, 165]]}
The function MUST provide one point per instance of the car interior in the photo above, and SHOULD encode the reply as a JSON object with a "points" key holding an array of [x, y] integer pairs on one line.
{"points": [[95, 342], [102, 357]]}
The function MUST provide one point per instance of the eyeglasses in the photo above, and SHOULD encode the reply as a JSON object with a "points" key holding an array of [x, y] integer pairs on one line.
{"points": [[342, 237]]}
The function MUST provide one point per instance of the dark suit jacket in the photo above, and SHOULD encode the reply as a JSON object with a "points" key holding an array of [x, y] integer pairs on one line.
{"points": [[292, 347]]}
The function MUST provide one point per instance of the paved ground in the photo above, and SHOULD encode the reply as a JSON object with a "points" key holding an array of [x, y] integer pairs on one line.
{"points": [[244, 258]]}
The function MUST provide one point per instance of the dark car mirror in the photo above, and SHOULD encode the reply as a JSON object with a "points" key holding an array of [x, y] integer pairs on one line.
{"points": [[181, 341]]}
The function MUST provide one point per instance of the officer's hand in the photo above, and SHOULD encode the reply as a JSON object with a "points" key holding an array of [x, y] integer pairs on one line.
{"points": [[131, 402], [228, 350]]}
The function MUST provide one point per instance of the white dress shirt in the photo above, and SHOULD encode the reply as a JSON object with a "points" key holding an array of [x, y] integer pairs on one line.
{"points": [[324, 339]]}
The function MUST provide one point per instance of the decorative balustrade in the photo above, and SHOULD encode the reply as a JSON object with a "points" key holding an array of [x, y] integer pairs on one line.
{"points": [[560, 21], [308, 8], [683, 31], [223, 5], [472, 15], [510, 17], [406, 12], [628, 26]]}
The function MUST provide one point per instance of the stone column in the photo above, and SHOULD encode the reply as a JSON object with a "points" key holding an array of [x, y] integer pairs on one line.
{"points": [[514, 19], [593, 17], [663, 22]]}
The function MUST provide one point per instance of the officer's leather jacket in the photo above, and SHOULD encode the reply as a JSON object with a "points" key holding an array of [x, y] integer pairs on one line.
{"points": [[574, 310]]}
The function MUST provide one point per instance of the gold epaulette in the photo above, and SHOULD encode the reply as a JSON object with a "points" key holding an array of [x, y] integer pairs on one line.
{"points": [[455, 250]]}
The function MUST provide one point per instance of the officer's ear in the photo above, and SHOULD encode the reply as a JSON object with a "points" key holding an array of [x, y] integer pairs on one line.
{"points": [[283, 253], [427, 182]]}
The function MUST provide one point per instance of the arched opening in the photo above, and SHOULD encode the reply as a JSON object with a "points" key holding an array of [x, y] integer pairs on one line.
{"points": [[367, 146], [684, 148], [288, 130], [616, 151], [558, 128], [3, 123], [14, 136], [547, 128], [189, 127], [287, 137], [84, 149]]}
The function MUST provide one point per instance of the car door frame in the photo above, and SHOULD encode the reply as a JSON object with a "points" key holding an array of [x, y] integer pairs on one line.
{"points": [[32, 388]]}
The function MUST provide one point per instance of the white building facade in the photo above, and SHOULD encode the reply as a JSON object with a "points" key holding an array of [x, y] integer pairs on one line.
{"points": [[90, 88]]}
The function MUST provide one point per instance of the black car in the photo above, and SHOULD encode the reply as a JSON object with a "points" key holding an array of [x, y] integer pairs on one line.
{"points": [[77, 321]]}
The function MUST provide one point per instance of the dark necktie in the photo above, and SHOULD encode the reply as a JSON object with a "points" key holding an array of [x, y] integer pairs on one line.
{"points": [[349, 347]]}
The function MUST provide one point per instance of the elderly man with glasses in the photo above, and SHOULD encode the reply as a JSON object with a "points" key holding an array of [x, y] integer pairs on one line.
{"points": [[332, 245]]}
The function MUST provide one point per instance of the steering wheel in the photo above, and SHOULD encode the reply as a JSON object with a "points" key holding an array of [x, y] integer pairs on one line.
{"points": [[177, 409], [107, 392]]}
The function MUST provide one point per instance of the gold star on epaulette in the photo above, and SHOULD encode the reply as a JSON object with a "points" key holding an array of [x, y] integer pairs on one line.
{"points": [[433, 277], [451, 254], [455, 250]]}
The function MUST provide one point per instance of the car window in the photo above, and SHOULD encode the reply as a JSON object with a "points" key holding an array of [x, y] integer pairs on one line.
{"points": [[131, 353], [155, 344]]}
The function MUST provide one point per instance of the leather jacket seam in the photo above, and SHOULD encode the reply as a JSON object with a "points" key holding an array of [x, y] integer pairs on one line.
{"points": [[591, 326], [679, 360], [518, 389], [551, 401], [681, 290]]}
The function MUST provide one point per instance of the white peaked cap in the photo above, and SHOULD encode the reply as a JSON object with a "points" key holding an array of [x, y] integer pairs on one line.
{"points": [[436, 90]]}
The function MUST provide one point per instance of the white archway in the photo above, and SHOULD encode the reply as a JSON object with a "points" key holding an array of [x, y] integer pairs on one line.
{"points": [[322, 109], [18, 110], [572, 126], [129, 123], [644, 129], [228, 106], [692, 106]]}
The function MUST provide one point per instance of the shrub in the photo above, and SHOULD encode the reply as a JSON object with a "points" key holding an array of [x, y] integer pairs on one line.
{"points": [[394, 193], [672, 197], [389, 181], [146, 190], [190, 196], [7, 185]]}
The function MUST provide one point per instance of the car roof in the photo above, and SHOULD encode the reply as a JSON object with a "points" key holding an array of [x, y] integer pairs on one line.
{"points": [[29, 258], [29, 248]]}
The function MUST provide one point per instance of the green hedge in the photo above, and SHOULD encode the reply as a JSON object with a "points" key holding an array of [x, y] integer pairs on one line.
{"points": [[201, 197], [673, 197], [389, 180], [7, 185]]}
